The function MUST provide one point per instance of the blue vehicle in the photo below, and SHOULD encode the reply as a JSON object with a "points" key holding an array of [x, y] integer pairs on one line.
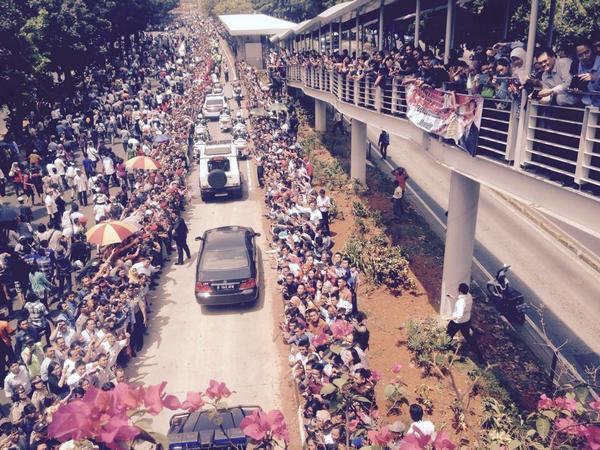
{"points": [[209, 429]]}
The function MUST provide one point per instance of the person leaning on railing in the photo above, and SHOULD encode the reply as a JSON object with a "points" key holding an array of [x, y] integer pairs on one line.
{"points": [[587, 72], [555, 80]]}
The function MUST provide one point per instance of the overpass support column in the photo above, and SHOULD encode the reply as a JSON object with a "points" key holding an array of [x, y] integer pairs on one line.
{"points": [[358, 153], [460, 237], [320, 115]]}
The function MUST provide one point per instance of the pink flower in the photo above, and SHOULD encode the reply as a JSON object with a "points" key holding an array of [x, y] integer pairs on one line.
{"points": [[72, 421], [193, 402], [341, 329], [375, 376], [595, 405], [217, 390], [569, 426], [417, 440], [118, 428], [279, 428], [442, 442], [381, 436], [260, 425], [128, 397], [396, 368], [593, 437], [352, 424], [320, 339], [171, 402], [375, 414], [567, 404], [545, 403], [153, 398]]}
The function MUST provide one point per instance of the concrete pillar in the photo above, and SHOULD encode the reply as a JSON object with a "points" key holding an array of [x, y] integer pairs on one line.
{"points": [[449, 30], [320, 115], [357, 32], [358, 152], [320, 46], [381, 20], [417, 22], [340, 36], [331, 37], [460, 237]]}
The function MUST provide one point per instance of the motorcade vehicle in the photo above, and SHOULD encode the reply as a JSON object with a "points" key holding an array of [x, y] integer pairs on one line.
{"points": [[213, 105], [227, 270], [509, 301], [219, 170], [225, 123], [209, 429], [217, 89]]}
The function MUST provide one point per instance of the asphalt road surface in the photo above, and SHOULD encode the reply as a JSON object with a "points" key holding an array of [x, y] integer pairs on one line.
{"points": [[548, 274], [189, 344]]}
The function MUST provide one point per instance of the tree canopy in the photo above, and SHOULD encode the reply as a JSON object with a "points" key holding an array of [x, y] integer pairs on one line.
{"points": [[43, 37]]}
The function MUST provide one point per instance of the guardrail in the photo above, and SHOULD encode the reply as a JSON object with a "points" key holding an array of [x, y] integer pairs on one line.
{"points": [[561, 143]]}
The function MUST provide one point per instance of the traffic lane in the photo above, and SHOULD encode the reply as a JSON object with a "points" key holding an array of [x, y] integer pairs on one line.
{"points": [[545, 272]]}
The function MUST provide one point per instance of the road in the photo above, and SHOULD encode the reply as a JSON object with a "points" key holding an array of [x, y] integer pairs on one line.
{"points": [[548, 274], [188, 344]]}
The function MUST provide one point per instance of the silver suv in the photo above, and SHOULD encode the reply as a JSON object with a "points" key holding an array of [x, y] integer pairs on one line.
{"points": [[219, 171]]}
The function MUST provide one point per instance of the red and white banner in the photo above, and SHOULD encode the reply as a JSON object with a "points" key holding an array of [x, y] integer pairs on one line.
{"points": [[447, 114]]}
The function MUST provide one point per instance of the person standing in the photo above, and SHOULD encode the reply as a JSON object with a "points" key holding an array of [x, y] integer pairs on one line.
{"points": [[460, 320], [324, 203], [180, 232], [384, 142], [397, 200], [81, 186]]}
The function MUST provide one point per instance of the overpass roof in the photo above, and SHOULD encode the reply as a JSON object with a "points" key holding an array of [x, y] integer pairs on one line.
{"points": [[254, 24]]}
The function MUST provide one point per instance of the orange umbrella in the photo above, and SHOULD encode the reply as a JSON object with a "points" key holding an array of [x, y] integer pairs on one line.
{"points": [[142, 162], [110, 232]]}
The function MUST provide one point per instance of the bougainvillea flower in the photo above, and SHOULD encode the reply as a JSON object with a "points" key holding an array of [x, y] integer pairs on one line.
{"points": [[570, 426], [352, 424], [217, 390], [567, 404], [171, 402], [279, 428], [381, 436], [128, 397], [595, 405], [72, 421], [375, 376], [592, 435], [119, 428], [256, 425], [396, 368], [319, 339], [417, 440], [153, 398], [442, 442], [341, 328], [545, 403], [193, 402]]}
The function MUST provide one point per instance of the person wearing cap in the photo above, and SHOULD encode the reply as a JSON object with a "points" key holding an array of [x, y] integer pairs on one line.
{"points": [[40, 393], [101, 209]]}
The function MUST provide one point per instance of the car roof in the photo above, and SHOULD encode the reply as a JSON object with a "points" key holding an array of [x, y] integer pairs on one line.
{"points": [[229, 236]]}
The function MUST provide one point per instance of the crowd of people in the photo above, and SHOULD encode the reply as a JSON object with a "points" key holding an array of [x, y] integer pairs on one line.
{"points": [[81, 310], [327, 332], [568, 77]]}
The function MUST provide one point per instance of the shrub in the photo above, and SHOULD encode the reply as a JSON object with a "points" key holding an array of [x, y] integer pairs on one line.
{"points": [[430, 344], [330, 173], [359, 209], [381, 261]]}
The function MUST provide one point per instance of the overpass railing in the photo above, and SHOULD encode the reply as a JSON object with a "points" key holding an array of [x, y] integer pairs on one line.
{"points": [[560, 143]]}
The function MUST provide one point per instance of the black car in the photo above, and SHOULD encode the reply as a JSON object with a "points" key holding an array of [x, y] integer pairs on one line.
{"points": [[227, 267], [208, 429]]}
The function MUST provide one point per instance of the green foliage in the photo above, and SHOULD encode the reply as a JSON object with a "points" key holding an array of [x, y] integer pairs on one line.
{"points": [[430, 344], [381, 261], [219, 7], [395, 395], [359, 209], [500, 423], [329, 173], [334, 211]]}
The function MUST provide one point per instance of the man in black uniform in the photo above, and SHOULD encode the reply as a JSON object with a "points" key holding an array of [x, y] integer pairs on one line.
{"points": [[180, 232]]}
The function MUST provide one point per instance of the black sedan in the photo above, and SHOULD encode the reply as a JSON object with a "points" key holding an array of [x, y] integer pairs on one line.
{"points": [[227, 267]]}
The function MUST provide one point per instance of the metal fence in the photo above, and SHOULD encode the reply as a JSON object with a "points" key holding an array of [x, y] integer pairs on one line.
{"points": [[561, 143]]}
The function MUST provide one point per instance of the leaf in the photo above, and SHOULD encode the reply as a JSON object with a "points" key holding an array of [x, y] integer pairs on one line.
{"points": [[144, 424], [341, 381], [542, 425], [336, 349], [361, 399], [537, 446], [389, 391], [160, 438], [549, 414], [328, 389], [582, 393], [514, 444]]}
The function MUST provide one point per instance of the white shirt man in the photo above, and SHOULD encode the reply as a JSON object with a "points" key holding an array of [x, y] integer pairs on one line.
{"points": [[462, 308], [108, 165], [323, 202], [17, 376]]}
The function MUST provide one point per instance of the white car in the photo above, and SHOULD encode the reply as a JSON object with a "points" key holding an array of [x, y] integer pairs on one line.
{"points": [[225, 121], [213, 105], [219, 171]]}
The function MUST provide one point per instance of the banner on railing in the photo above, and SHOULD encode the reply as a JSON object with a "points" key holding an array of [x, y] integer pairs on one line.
{"points": [[447, 114]]}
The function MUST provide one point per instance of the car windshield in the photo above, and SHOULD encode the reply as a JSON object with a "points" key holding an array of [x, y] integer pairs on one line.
{"points": [[214, 102], [224, 259]]}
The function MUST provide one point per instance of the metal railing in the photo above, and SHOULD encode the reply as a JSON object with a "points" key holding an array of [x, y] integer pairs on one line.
{"points": [[560, 142]]}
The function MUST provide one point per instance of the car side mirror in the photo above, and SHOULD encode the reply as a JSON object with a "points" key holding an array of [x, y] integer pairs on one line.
{"points": [[198, 238]]}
